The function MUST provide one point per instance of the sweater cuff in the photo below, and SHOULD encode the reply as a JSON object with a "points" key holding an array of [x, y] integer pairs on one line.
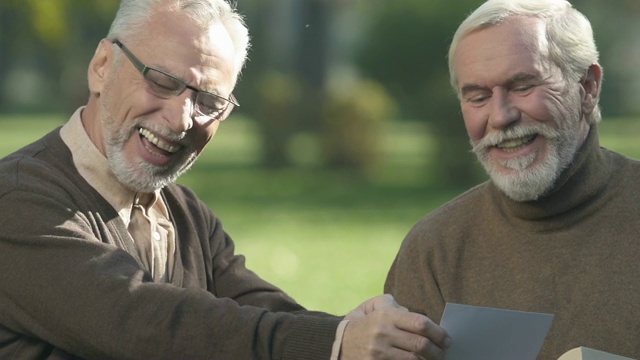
{"points": [[337, 343], [312, 338]]}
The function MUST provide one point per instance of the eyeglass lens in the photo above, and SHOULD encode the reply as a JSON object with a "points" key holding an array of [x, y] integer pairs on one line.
{"points": [[165, 85]]}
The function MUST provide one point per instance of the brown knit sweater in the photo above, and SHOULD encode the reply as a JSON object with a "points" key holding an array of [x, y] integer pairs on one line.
{"points": [[70, 282], [574, 253]]}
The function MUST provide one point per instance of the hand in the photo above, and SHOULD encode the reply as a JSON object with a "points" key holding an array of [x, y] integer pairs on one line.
{"points": [[381, 329]]}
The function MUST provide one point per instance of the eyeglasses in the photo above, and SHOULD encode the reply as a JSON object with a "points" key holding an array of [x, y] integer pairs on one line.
{"points": [[165, 85]]}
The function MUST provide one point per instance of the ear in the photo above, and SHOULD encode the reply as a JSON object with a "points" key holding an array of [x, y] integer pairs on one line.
{"points": [[591, 84], [99, 67]]}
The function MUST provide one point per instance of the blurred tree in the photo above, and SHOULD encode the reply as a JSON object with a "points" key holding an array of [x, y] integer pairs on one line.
{"points": [[288, 64], [350, 134], [616, 27], [269, 86], [45, 46], [405, 48], [22, 47]]}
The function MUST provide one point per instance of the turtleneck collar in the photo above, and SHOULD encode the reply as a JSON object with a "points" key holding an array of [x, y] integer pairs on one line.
{"points": [[578, 185]]}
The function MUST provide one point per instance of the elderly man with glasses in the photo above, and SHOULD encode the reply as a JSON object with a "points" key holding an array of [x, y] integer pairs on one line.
{"points": [[103, 256]]}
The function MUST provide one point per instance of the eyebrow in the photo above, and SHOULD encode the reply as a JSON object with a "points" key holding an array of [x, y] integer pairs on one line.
{"points": [[522, 77], [188, 86], [518, 78]]}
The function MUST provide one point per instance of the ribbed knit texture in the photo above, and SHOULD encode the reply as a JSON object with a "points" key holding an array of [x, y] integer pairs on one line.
{"points": [[574, 253], [310, 342]]}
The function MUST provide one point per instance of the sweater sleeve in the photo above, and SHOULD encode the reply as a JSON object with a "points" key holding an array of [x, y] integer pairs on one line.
{"points": [[66, 290], [228, 276], [232, 279], [411, 279]]}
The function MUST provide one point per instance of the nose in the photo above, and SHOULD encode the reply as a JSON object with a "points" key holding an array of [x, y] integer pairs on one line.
{"points": [[179, 111], [503, 112]]}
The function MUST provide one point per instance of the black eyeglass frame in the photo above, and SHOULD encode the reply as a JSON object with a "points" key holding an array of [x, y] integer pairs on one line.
{"points": [[144, 70]]}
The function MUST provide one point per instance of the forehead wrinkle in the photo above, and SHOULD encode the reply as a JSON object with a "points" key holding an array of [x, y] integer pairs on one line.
{"points": [[220, 53], [194, 76], [501, 68], [201, 56], [520, 77], [209, 69]]}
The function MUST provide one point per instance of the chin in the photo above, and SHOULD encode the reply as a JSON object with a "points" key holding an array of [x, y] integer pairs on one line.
{"points": [[528, 184]]}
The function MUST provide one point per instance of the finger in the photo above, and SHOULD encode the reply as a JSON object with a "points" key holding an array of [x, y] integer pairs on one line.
{"points": [[380, 302], [420, 346], [385, 301], [421, 325], [400, 354]]}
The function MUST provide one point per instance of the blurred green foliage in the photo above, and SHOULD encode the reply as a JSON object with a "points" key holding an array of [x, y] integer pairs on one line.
{"points": [[45, 47], [355, 120], [297, 65], [406, 50]]}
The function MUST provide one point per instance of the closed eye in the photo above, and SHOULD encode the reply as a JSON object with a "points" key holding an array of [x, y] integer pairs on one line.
{"points": [[474, 94], [168, 88], [478, 100], [523, 89]]}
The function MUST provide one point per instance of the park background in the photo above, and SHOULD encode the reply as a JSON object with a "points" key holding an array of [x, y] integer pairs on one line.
{"points": [[347, 134]]}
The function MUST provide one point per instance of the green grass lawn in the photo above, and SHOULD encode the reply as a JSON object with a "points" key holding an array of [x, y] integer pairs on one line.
{"points": [[325, 237]]}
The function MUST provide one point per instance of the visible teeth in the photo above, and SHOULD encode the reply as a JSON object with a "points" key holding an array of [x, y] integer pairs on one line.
{"points": [[515, 144], [158, 142]]}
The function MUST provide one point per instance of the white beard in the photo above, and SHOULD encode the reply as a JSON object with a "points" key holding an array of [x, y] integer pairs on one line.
{"points": [[136, 175], [527, 181]]}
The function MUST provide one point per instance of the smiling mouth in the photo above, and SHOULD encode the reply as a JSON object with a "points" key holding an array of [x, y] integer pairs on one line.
{"points": [[159, 143], [514, 145]]}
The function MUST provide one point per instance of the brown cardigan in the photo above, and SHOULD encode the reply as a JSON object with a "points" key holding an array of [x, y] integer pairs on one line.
{"points": [[71, 282], [574, 253]]}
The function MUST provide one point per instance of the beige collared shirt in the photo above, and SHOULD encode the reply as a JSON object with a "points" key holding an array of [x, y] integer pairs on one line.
{"points": [[145, 215]]}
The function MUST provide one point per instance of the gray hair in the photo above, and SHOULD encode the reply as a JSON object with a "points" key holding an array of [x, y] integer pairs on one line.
{"points": [[133, 15], [569, 36]]}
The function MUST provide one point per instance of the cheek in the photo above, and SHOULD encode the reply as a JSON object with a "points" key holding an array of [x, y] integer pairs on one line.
{"points": [[545, 108], [124, 104], [204, 134], [562, 112], [475, 122]]}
